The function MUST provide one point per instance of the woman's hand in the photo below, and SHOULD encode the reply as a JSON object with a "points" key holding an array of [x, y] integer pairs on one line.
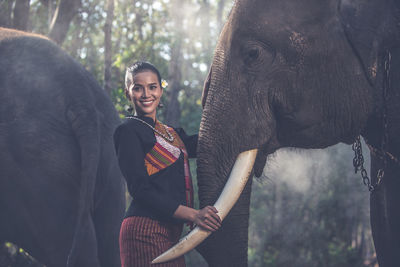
{"points": [[208, 219]]}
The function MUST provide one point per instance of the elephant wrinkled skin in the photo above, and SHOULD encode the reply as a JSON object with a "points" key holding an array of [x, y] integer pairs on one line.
{"points": [[305, 74], [62, 196]]}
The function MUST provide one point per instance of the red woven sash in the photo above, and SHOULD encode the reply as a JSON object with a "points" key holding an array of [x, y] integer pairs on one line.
{"points": [[165, 153]]}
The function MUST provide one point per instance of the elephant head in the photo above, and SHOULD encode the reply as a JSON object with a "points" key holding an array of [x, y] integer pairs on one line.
{"points": [[286, 74]]}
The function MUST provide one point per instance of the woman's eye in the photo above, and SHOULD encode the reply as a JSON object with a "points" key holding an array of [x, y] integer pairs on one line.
{"points": [[153, 87], [136, 88]]}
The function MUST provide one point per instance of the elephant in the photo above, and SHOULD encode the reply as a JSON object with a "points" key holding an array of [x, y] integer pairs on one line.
{"points": [[304, 74], [62, 195]]}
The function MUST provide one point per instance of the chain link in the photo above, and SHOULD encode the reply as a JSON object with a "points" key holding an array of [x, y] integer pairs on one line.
{"points": [[358, 163]]}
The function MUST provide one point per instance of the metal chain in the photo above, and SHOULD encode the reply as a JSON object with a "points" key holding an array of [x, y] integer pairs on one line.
{"points": [[358, 163], [169, 138]]}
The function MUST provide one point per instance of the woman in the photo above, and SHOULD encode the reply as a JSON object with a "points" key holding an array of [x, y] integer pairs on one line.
{"points": [[154, 161]]}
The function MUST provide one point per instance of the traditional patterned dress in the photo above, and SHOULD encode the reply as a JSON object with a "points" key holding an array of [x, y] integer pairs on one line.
{"points": [[145, 233]]}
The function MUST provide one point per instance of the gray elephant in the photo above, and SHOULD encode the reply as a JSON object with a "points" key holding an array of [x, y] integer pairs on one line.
{"points": [[61, 192], [306, 74]]}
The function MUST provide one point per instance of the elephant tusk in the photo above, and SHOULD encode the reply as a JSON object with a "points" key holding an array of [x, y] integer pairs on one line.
{"points": [[233, 188]]}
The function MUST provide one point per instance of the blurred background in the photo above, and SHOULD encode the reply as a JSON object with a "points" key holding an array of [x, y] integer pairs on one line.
{"points": [[308, 209]]}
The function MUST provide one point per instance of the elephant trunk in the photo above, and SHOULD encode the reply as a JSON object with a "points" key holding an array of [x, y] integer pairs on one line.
{"points": [[220, 142]]}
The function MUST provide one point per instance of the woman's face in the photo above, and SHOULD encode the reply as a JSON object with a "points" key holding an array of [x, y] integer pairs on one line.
{"points": [[145, 93]]}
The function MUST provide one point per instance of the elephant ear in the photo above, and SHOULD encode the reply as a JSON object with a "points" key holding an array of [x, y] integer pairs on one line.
{"points": [[370, 27]]}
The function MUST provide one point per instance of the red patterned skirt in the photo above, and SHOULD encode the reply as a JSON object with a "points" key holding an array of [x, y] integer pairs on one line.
{"points": [[142, 239]]}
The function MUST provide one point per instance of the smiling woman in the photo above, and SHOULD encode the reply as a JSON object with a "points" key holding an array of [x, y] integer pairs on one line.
{"points": [[153, 158], [145, 92]]}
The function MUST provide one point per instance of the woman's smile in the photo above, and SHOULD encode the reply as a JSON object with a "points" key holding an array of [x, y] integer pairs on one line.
{"points": [[147, 102]]}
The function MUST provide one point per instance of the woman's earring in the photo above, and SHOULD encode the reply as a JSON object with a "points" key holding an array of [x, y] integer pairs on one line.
{"points": [[130, 109], [160, 105]]}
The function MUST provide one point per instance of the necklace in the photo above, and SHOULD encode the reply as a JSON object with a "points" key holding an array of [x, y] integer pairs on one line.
{"points": [[169, 138]]}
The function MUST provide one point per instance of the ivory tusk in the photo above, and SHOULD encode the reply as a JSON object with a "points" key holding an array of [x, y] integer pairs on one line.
{"points": [[233, 188]]}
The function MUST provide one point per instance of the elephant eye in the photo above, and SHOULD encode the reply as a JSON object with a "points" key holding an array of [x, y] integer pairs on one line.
{"points": [[252, 54], [256, 54]]}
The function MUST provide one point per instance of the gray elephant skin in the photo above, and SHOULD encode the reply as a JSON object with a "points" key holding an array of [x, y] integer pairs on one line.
{"points": [[306, 74], [61, 191]]}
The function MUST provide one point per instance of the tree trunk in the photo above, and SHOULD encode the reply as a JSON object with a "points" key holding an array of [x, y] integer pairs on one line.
{"points": [[205, 22], [220, 12], [172, 115], [138, 20], [108, 47], [173, 111], [65, 12], [21, 15], [5, 13]]}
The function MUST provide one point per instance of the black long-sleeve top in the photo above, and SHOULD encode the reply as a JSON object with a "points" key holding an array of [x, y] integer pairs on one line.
{"points": [[156, 196]]}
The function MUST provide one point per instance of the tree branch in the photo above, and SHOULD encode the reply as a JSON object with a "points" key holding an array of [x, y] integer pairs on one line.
{"points": [[65, 12]]}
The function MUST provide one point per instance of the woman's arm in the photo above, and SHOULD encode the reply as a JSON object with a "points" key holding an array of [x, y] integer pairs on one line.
{"points": [[190, 142], [207, 218]]}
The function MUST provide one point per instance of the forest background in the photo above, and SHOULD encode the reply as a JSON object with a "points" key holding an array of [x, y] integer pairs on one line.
{"points": [[309, 208]]}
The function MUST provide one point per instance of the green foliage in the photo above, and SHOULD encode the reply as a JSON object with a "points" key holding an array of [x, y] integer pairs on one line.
{"points": [[121, 103], [148, 30]]}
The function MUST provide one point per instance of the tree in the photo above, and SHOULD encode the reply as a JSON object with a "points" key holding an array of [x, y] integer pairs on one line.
{"points": [[21, 15], [63, 15], [5, 13], [108, 46], [172, 115], [220, 10]]}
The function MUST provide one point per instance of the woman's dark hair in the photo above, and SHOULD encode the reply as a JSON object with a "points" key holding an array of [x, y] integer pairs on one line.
{"points": [[137, 67]]}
